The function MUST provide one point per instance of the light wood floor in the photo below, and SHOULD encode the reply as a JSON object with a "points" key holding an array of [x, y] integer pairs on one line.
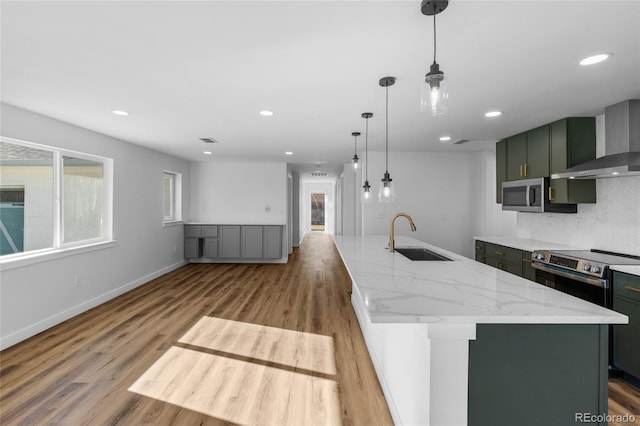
{"points": [[206, 344], [213, 344]]}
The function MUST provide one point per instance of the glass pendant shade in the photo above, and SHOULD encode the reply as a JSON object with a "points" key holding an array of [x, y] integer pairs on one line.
{"points": [[434, 95], [366, 192], [355, 163], [386, 193]]}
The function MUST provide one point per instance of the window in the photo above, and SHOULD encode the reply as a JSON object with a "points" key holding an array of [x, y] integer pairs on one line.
{"points": [[51, 198], [171, 197]]}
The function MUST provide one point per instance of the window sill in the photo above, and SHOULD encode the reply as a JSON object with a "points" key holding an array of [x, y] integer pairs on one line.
{"points": [[172, 223], [52, 254]]}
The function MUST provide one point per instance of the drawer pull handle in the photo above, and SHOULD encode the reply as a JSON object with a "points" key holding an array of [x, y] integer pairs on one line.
{"points": [[527, 260], [628, 287], [499, 253]]}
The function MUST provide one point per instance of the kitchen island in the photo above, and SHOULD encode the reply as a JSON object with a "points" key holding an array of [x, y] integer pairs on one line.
{"points": [[458, 342]]}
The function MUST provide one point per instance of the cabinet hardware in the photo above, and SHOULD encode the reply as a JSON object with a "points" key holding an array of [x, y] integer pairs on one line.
{"points": [[499, 253], [521, 173], [527, 260], [526, 172], [551, 193], [628, 287]]}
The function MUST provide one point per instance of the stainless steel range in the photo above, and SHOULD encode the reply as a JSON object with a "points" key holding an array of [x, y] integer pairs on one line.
{"points": [[581, 273]]}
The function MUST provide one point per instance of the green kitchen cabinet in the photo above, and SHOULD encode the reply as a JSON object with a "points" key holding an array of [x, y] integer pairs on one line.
{"points": [[537, 164], [516, 156], [528, 154], [480, 250], [528, 271], [626, 344], [501, 168], [573, 141]]}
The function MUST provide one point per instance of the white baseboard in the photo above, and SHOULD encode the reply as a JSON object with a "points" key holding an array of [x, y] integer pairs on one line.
{"points": [[40, 326]]}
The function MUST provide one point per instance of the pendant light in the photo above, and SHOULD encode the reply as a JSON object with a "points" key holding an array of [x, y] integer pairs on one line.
{"points": [[366, 194], [386, 193], [436, 95], [355, 150]]}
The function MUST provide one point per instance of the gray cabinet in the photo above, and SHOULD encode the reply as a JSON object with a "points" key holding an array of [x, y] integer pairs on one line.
{"points": [[626, 341], [251, 242], [272, 248], [230, 241]]}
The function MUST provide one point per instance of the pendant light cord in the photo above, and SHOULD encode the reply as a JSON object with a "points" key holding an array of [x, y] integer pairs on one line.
{"points": [[386, 118], [434, 38], [366, 151]]}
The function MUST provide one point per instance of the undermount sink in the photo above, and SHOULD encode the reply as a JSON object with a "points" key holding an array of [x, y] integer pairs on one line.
{"points": [[420, 253]]}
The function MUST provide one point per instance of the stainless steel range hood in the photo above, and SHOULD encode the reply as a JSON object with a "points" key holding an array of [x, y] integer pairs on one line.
{"points": [[622, 145]]}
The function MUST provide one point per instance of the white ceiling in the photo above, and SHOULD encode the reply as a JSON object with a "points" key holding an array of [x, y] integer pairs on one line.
{"points": [[186, 70]]}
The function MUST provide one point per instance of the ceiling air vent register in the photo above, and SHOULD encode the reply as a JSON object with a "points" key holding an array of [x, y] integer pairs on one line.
{"points": [[209, 140]]}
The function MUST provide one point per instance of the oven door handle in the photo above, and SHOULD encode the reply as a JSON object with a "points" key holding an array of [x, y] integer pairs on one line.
{"points": [[578, 277]]}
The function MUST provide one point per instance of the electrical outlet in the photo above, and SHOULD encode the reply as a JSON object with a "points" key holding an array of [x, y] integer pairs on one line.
{"points": [[175, 248], [77, 281]]}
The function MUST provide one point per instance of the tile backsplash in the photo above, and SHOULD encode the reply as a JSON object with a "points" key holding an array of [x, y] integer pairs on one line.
{"points": [[613, 223]]}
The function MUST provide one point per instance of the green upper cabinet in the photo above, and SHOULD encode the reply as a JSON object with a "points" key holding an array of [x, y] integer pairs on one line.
{"points": [[516, 156], [537, 164], [573, 141], [528, 154], [549, 149], [501, 168]]}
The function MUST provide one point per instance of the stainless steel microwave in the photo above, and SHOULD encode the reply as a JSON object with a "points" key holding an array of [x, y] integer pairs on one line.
{"points": [[531, 195]]}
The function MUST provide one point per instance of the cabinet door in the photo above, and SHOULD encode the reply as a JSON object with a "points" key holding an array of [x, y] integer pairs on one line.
{"points": [[229, 241], [626, 344], [209, 230], [537, 164], [272, 248], [501, 168], [252, 242], [480, 249], [193, 231], [528, 271], [516, 156], [191, 248], [210, 249]]}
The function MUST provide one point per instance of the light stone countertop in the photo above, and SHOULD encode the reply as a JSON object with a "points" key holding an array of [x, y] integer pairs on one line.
{"points": [[526, 244], [395, 289], [628, 269]]}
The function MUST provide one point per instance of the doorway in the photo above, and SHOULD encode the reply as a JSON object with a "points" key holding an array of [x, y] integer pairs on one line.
{"points": [[317, 212]]}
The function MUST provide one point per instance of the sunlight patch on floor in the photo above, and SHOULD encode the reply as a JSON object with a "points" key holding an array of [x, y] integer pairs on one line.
{"points": [[251, 378]]}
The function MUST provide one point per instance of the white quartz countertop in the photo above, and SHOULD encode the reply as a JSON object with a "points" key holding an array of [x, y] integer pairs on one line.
{"points": [[395, 289], [526, 244], [628, 269]]}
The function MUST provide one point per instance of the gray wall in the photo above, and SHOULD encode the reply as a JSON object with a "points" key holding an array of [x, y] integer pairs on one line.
{"points": [[37, 296]]}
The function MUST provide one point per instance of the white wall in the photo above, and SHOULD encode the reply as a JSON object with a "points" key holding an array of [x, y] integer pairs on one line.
{"points": [[613, 223], [239, 193], [38, 296], [441, 191]]}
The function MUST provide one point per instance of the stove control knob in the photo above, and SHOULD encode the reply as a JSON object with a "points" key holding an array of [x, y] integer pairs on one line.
{"points": [[586, 267], [595, 268], [539, 256]]}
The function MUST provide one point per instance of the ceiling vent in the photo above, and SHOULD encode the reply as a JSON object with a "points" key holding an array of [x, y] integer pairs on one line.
{"points": [[461, 141], [209, 140], [318, 174]]}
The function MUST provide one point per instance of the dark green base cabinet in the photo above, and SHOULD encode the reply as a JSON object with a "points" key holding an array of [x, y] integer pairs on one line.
{"points": [[626, 337], [515, 261], [537, 374]]}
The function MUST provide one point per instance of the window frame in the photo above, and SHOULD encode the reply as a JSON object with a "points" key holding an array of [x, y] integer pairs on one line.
{"points": [[175, 198], [57, 244]]}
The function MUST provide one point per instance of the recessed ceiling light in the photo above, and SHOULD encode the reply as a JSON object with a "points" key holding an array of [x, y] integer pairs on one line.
{"points": [[445, 138], [266, 113], [493, 114], [288, 153], [595, 59], [208, 152], [118, 112]]}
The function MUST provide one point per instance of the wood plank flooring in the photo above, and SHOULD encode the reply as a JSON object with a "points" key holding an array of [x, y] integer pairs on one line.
{"points": [[213, 344], [206, 344]]}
